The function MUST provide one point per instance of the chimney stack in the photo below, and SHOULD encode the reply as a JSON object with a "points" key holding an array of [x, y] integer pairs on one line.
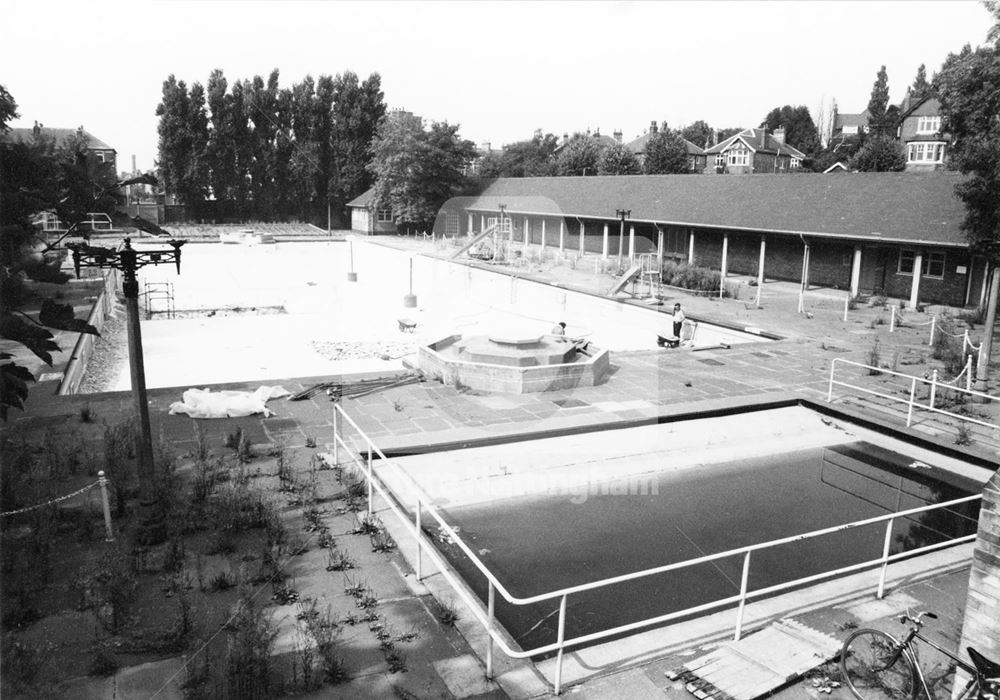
{"points": [[652, 127], [618, 135], [779, 135], [763, 137]]}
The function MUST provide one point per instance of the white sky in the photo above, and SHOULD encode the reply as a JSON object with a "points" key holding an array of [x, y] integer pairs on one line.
{"points": [[501, 70]]}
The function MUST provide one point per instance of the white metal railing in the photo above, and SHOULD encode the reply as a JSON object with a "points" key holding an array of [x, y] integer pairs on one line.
{"points": [[97, 221], [488, 620], [911, 400]]}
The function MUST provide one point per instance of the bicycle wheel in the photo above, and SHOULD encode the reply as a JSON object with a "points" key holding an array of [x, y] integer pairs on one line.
{"points": [[875, 668]]}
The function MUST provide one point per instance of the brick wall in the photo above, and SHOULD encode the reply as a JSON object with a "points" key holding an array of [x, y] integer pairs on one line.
{"points": [[981, 628]]}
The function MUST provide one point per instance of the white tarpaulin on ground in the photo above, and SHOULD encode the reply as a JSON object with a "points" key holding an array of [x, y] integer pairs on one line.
{"points": [[204, 403]]}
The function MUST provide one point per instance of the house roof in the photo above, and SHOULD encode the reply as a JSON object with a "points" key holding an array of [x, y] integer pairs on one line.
{"points": [[638, 146], [758, 141], [923, 206], [909, 105], [25, 134], [363, 200], [842, 120]]}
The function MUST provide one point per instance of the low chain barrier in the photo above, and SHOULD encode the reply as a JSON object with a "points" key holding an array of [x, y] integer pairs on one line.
{"points": [[102, 481]]}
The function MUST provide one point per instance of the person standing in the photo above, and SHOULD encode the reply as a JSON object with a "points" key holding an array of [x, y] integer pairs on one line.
{"points": [[678, 321]]}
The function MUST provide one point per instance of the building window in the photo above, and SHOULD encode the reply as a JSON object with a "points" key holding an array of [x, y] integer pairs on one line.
{"points": [[849, 130], [99, 155], [738, 156], [934, 265], [906, 258], [925, 152], [384, 216], [720, 160], [795, 163], [928, 125]]}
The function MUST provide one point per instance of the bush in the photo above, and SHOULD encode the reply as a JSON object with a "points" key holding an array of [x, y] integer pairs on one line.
{"points": [[947, 348], [691, 277]]}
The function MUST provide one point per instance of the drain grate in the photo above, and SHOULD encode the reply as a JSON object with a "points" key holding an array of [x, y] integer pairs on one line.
{"points": [[569, 403], [710, 361]]}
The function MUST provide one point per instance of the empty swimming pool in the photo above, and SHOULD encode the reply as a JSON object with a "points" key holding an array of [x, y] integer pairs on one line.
{"points": [[560, 512]]}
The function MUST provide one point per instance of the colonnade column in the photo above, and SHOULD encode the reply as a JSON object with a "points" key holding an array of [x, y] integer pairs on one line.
{"points": [[604, 243], [691, 247], [659, 248], [631, 243], [527, 235], [760, 269], [804, 277], [543, 235], [482, 222], [725, 264], [583, 234], [562, 235], [918, 267], [856, 272], [471, 224]]}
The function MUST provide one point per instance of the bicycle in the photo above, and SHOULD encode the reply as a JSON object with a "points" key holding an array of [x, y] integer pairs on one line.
{"points": [[876, 666]]}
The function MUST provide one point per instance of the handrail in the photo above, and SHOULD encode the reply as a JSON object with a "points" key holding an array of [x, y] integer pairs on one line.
{"points": [[912, 402], [424, 546]]}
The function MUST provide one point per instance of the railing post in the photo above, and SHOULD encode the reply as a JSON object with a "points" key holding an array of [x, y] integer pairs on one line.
{"points": [[933, 325], [885, 558], [892, 319], [743, 596], [968, 371], [336, 435], [420, 551], [913, 394], [965, 339], [829, 394], [559, 640], [370, 451], [933, 387], [491, 607], [103, 480]]}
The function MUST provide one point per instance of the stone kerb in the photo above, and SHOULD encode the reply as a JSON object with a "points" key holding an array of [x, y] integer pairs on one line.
{"points": [[76, 366], [981, 627]]}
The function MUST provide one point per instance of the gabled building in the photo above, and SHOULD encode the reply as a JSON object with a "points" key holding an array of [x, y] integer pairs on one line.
{"points": [[101, 158], [754, 151], [366, 218], [848, 124], [695, 154], [920, 133]]}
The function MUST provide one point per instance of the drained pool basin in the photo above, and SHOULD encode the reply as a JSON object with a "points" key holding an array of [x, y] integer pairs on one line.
{"points": [[554, 513]]}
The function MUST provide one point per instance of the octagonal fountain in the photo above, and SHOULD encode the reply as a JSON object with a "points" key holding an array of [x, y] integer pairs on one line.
{"points": [[513, 363]]}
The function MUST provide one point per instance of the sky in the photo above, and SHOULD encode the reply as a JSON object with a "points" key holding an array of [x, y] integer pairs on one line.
{"points": [[499, 69]]}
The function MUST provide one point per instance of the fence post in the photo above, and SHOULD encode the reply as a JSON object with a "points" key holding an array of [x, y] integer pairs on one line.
{"points": [[829, 394], [933, 326], [370, 451], [559, 640], [885, 558], [933, 387], [892, 319], [491, 604], [743, 597], [103, 481], [913, 394], [968, 372], [965, 339], [420, 551], [336, 435]]}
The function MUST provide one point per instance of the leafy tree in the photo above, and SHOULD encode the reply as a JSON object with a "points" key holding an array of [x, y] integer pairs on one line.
{"points": [[698, 133], [183, 131], [800, 130], [579, 156], [920, 88], [878, 125], [532, 158], [617, 159], [357, 110], [665, 153], [417, 170], [35, 176], [879, 154]]}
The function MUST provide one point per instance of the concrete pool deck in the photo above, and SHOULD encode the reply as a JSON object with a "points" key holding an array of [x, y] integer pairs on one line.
{"points": [[643, 385]]}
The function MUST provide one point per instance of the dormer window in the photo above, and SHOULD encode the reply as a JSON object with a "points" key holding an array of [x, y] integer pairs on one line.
{"points": [[928, 125]]}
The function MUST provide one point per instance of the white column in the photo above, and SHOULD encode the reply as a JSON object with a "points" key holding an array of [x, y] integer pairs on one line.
{"points": [[805, 267], [659, 247], [482, 223], [918, 266], [471, 224], [691, 247], [543, 235], [760, 263], [562, 235], [631, 243], [583, 235], [856, 272], [527, 234], [604, 244], [986, 282], [725, 264]]}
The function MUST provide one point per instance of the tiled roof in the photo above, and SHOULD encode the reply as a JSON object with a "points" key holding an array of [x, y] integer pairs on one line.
{"points": [[21, 134], [842, 120], [758, 141], [910, 106], [896, 207], [364, 199]]}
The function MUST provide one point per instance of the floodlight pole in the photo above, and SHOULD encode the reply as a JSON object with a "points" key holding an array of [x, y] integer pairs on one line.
{"points": [[152, 528], [622, 214]]}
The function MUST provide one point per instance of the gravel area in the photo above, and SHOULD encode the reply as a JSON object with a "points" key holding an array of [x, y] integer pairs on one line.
{"points": [[363, 351], [109, 358]]}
